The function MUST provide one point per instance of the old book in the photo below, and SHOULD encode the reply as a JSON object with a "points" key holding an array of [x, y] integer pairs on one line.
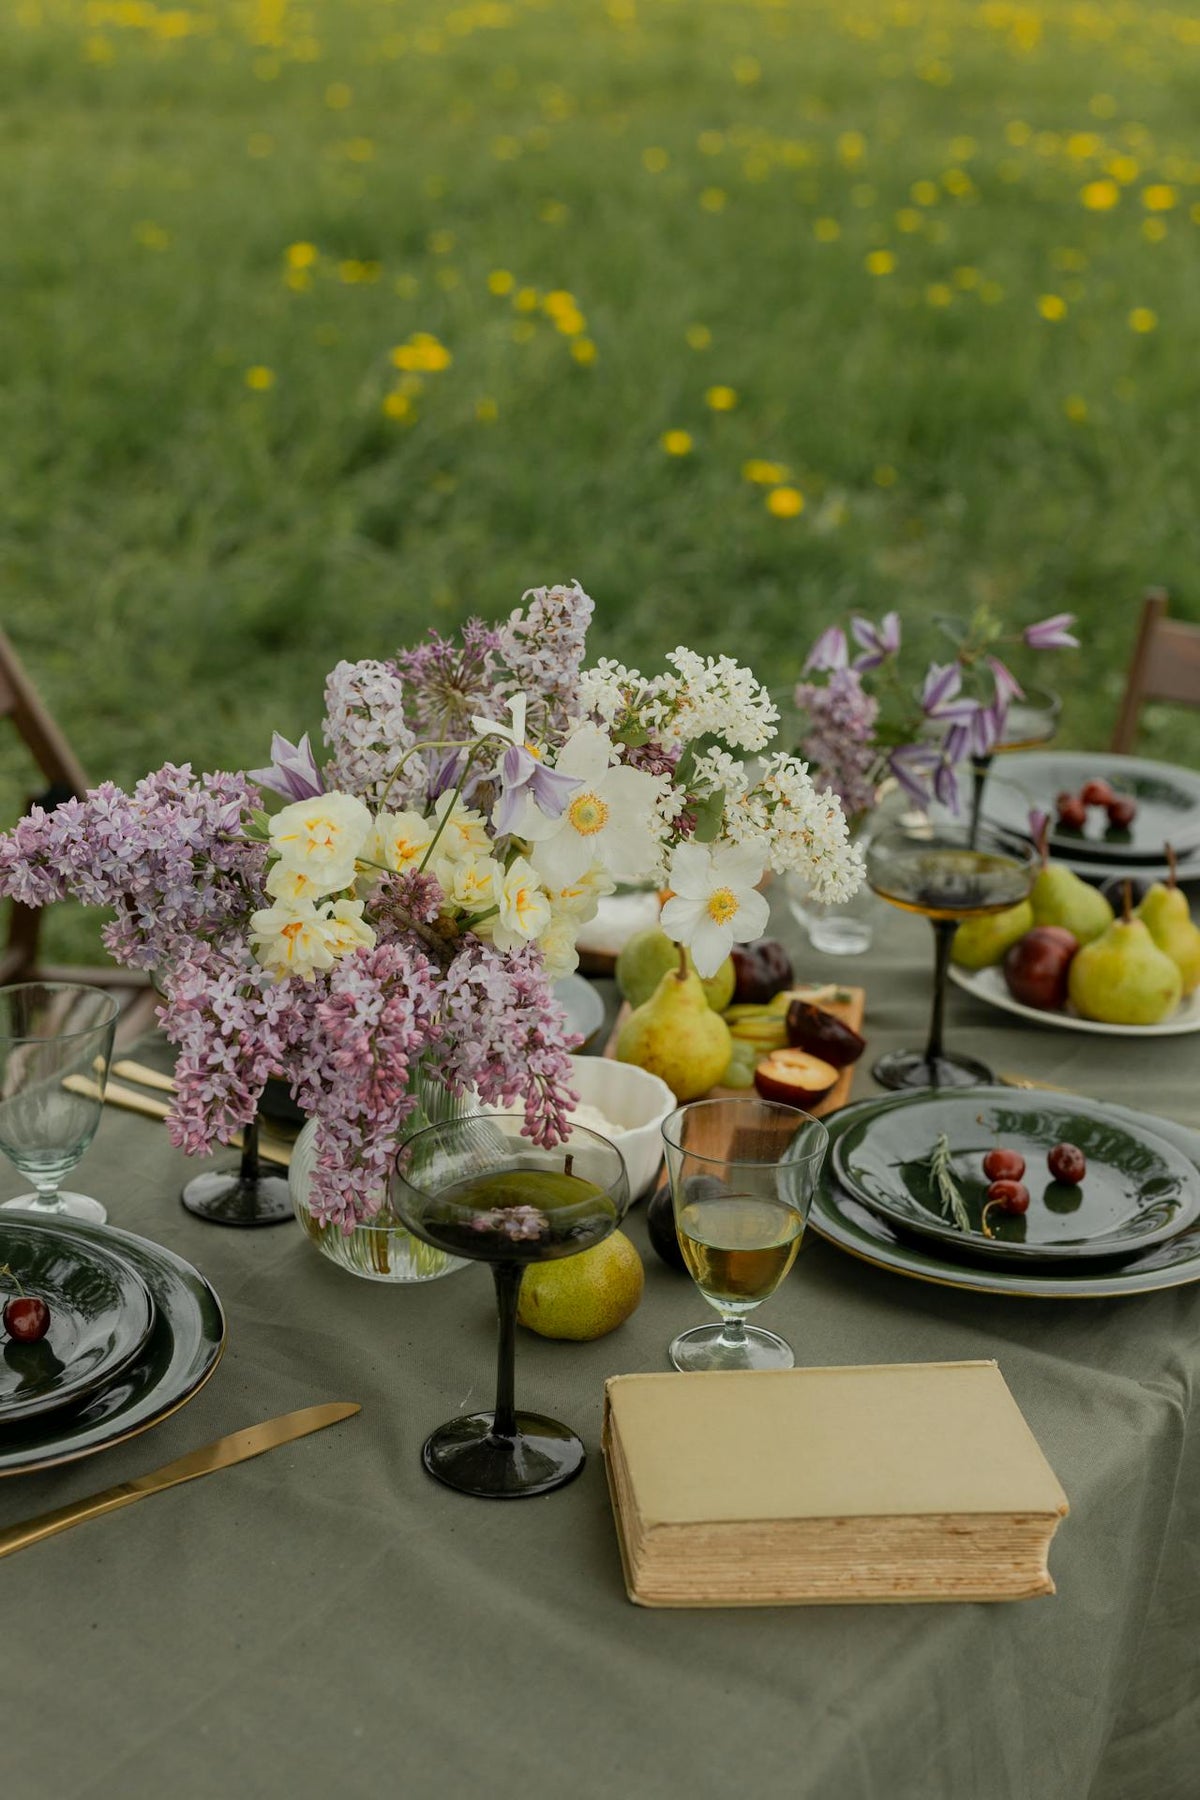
{"points": [[911, 1481]]}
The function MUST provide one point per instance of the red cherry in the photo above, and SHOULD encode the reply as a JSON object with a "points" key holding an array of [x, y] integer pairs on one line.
{"points": [[1066, 1162], [1096, 793], [1004, 1165], [1009, 1196], [1072, 812], [26, 1318], [1121, 811]]}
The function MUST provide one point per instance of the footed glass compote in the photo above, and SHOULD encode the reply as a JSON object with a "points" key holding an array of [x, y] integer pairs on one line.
{"points": [[478, 1188], [56, 1043]]}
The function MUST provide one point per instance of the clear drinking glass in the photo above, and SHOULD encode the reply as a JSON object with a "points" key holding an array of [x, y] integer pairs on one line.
{"points": [[478, 1188], [743, 1173], [56, 1041]]}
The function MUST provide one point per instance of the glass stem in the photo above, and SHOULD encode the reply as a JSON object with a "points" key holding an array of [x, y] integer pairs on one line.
{"points": [[979, 774], [507, 1277], [249, 1169], [943, 937], [47, 1198], [733, 1330]]}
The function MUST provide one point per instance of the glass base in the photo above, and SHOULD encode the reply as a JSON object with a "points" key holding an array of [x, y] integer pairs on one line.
{"points": [[707, 1347], [67, 1206], [840, 937], [229, 1200], [464, 1454], [903, 1069]]}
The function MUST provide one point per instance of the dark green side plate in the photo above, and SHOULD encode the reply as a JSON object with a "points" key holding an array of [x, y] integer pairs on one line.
{"points": [[181, 1352], [1168, 800], [101, 1314], [1138, 1189], [844, 1221]]}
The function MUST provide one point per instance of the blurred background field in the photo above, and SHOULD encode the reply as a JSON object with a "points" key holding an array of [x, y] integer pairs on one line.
{"points": [[325, 322]]}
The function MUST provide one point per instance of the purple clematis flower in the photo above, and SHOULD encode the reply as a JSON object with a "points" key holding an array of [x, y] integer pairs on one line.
{"points": [[1039, 824], [876, 641], [957, 741], [1052, 633], [987, 725], [829, 651], [1007, 686], [940, 696], [913, 765], [945, 785], [521, 774], [293, 771]]}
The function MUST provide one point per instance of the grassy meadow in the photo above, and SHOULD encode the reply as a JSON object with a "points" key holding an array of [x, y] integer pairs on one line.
{"points": [[326, 320]]}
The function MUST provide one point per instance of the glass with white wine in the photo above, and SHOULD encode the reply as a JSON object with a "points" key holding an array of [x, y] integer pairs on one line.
{"points": [[743, 1173]]}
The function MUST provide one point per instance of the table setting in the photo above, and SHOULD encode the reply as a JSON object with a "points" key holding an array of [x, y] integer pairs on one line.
{"points": [[397, 1041]]}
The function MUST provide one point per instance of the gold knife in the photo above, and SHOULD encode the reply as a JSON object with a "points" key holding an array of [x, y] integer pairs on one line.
{"points": [[272, 1148], [236, 1448]]}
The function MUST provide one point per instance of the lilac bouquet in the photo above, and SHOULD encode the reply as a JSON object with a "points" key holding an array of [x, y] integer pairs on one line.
{"points": [[402, 915], [866, 719]]}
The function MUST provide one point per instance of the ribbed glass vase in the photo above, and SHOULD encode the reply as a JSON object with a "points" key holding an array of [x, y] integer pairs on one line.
{"points": [[381, 1250]]}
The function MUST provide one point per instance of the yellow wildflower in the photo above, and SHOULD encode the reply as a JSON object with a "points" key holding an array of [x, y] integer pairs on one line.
{"points": [[301, 256], [1159, 197], [1052, 306], [501, 281], [939, 293], [826, 230], [721, 399], [785, 502], [880, 262], [583, 350], [1076, 408], [1143, 319], [764, 474], [260, 378], [713, 199], [699, 337], [676, 443], [1100, 196]]}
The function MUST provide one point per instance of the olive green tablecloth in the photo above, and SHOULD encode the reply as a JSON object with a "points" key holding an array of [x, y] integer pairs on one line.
{"points": [[326, 1621]]}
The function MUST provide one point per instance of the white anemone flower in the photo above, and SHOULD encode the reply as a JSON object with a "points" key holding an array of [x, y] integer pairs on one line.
{"points": [[714, 902], [609, 819]]}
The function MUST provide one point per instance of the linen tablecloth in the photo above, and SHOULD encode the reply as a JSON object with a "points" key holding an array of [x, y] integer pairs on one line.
{"points": [[327, 1621]]}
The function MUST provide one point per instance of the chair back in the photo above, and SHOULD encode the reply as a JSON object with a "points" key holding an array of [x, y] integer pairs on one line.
{"points": [[1165, 666]]}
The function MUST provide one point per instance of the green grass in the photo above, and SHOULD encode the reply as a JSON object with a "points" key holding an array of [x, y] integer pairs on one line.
{"points": [[184, 555]]}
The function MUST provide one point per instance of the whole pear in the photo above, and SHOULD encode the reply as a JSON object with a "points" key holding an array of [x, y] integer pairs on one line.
{"points": [[978, 943], [1123, 978], [677, 1036], [647, 956], [583, 1296], [1060, 898], [1169, 921]]}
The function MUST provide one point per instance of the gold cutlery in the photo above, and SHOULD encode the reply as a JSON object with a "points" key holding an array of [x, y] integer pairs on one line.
{"points": [[238, 1447], [273, 1148], [144, 1075]]}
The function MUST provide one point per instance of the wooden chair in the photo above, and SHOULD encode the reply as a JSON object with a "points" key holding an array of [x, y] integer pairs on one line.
{"points": [[54, 757], [1165, 666]]}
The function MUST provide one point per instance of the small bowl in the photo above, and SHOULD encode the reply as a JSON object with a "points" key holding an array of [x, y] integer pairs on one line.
{"points": [[636, 1101]]}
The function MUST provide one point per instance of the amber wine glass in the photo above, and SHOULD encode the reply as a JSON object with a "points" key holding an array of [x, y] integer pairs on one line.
{"points": [[476, 1187], [946, 874], [742, 1173]]}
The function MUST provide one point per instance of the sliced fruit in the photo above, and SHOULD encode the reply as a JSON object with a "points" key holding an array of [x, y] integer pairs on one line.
{"points": [[794, 1077], [823, 1035]]}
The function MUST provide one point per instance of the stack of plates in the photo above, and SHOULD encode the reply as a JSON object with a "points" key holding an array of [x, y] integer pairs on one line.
{"points": [[1131, 1226], [1168, 801], [135, 1331]]}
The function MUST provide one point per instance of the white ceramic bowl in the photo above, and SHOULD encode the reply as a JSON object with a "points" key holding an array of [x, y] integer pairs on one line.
{"points": [[633, 1100]]}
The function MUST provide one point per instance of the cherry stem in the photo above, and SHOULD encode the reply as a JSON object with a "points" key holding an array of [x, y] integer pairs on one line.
{"points": [[983, 1217], [5, 1270]]}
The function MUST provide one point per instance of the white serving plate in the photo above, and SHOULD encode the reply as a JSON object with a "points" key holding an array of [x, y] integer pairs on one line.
{"points": [[990, 986]]}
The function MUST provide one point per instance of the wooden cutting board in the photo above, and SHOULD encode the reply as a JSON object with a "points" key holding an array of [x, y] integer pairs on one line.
{"points": [[845, 1003]]}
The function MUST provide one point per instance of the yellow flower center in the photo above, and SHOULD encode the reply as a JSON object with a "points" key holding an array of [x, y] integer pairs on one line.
{"points": [[722, 905], [587, 814]]}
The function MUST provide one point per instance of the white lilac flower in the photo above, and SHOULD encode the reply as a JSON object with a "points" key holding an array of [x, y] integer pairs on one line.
{"points": [[714, 903], [717, 695], [609, 820], [716, 771], [321, 838], [524, 910], [789, 825], [399, 840]]}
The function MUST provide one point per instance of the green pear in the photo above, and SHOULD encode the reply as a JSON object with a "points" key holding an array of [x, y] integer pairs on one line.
{"points": [[1164, 909], [1123, 978], [1060, 898], [978, 943], [583, 1296], [677, 1036], [647, 956]]}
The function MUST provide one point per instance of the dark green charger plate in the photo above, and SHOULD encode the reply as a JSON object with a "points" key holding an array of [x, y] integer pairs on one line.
{"points": [[181, 1352], [1168, 800], [101, 1314], [844, 1221], [1138, 1190]]}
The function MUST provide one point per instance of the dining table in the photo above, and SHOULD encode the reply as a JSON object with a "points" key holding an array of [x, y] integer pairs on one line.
{"points": [[327, 1621]]}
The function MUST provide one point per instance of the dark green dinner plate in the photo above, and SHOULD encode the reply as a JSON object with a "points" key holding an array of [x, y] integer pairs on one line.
{"points": [[181, 1352], [101, 1314], [841, 1219], [1138, 1188], [1168, 801]]}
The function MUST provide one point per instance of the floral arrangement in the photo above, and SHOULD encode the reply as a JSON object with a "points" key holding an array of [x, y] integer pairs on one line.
{"points": [[406, 909], [868, 718]]}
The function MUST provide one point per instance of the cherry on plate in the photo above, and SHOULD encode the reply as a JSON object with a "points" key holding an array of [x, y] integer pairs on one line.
{"points": [[1009, 1196], [1121, 810], [1096, 793], [1004, 1165], [1066, 1162], [26, 1318], [1072, 812]]}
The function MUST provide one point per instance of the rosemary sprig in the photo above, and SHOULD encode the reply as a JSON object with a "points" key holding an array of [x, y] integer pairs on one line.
{"points": [[949, 1192]]}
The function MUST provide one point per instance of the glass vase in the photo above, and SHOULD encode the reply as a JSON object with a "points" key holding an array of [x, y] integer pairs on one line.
{"points": [[381, 1249], [846, 929]]}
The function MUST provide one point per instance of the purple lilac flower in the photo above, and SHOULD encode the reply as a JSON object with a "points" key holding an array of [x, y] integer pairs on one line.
{"points": [[512, 1221], [1052, 633], [876, 642], [448, 681], [830, 652], [522, 775], [542, 645], [293, 770], [840, 737], [368, 733]]}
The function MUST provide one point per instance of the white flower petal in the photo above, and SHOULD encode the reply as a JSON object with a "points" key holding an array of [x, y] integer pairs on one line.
{"points": [[690, 873], [710, 945], [751, 918]]}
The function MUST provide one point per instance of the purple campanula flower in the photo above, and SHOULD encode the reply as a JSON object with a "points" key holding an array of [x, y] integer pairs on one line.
{"points": [[1039, 824], [1007, 686], [956, 742], [913, 766], [876, 641], [829, 652], [1052, 633], [987, 725], [445, 774], [293, 770], [521, 774], [945, 785]]}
